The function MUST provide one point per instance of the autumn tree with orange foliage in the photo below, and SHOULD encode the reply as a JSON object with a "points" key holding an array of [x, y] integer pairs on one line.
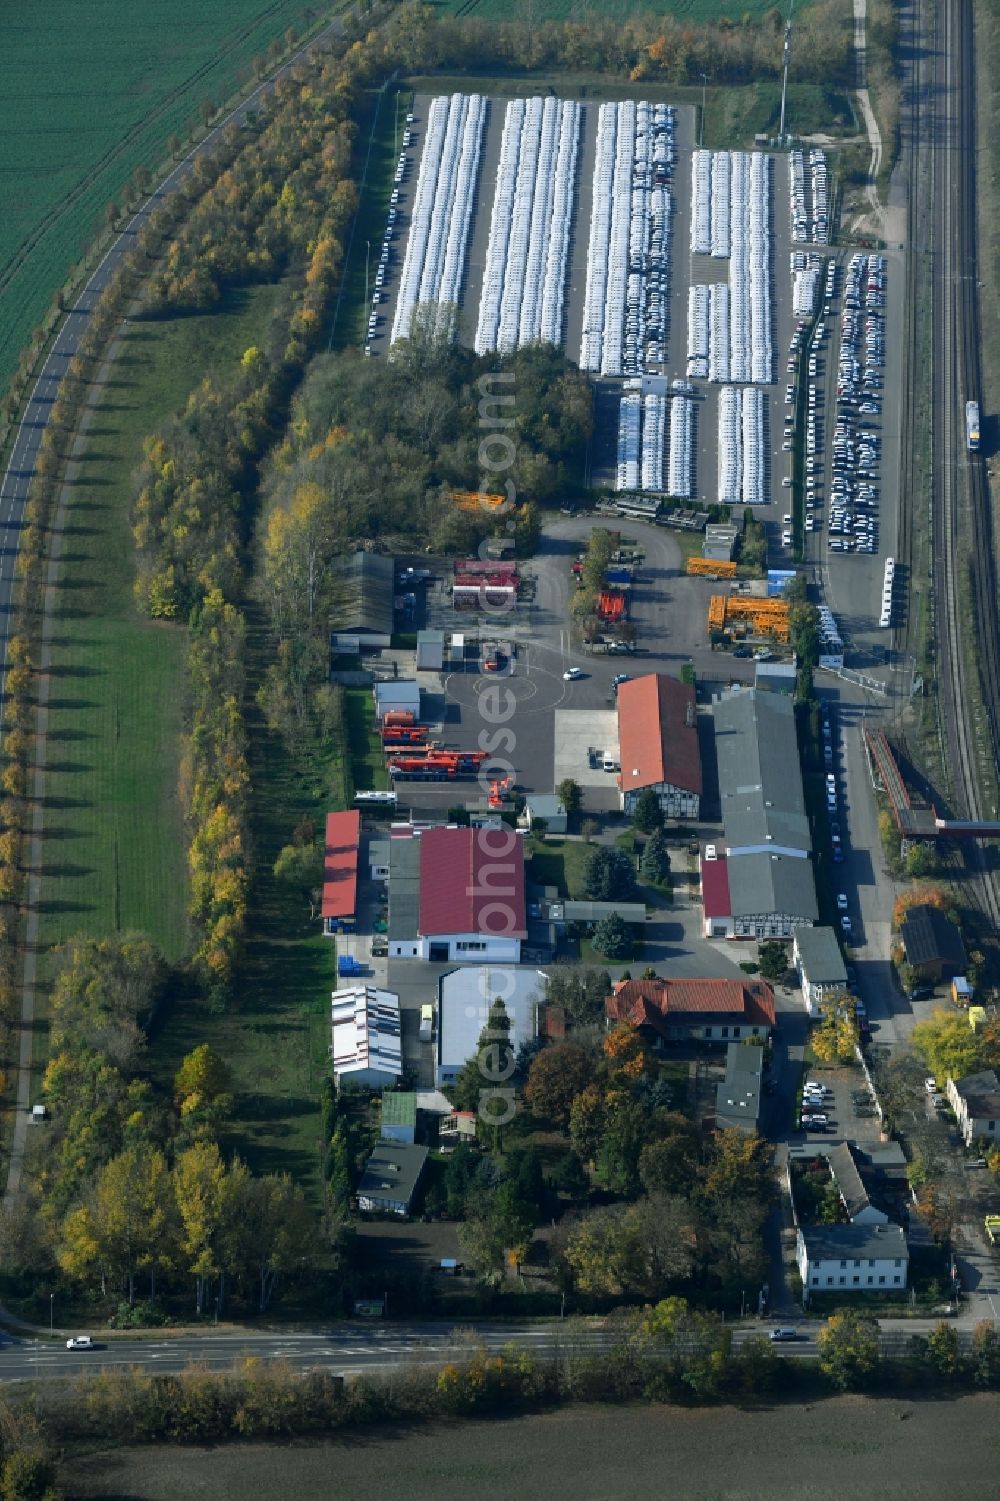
{"points": [[921, 896], [625, 1052]]}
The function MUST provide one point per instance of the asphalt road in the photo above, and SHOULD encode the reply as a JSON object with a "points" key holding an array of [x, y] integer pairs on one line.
{"points": [[353, 1349]]}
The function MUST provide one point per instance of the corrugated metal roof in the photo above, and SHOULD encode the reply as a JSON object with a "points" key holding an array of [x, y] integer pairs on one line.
{"points": [[365, 594], [399, 1107], [929, 937], [658, 734], [404, 888], [763, 807], [340, 864]]}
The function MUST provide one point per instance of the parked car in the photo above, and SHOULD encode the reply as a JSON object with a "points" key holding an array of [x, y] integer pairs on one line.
{"points": [[930, 1084]]}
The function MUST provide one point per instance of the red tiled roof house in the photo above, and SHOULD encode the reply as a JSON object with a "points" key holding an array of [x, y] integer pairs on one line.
{"points": [[658, 743], [677, 1010]]}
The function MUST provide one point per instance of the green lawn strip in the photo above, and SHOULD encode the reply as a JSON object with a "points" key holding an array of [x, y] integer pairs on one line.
{"points": [[366, 763], [734, 115], [562, 863], [89, 96], [113, 839], [275, 1036]]}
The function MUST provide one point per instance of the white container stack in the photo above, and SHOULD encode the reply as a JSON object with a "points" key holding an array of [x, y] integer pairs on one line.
{"points": [[807, 279], [654, 422], [434, 262], [720, 240], [718, 349], [698, 340], [680, 466], [528, 249], [754, 452], [701, 203], [629, 444], [628, 254], [730, 446]]}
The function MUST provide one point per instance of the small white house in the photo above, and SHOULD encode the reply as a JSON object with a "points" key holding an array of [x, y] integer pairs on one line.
{"points": [[366, 1036], [395, 696], [820, 965], [976, 1103], [852, 1258]]}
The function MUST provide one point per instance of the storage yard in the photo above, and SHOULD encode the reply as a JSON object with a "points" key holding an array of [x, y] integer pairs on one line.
{"points": [[574, 242]]}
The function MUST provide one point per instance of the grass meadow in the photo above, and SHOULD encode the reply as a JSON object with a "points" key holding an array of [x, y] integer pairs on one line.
{"points": [[90, 92], [114, 845], [114, 853]]}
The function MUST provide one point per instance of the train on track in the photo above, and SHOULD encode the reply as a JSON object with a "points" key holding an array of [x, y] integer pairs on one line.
{"points": [[972, 426]]}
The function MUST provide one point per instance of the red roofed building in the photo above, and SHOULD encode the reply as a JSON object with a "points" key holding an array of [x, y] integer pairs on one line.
{"points": [[676, 1010], [340, 871], [658, 741], [716, 902], [459, 895]]}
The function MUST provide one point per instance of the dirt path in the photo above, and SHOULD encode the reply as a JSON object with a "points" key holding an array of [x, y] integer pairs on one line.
{"points": [[876, 222], [34, 855]]}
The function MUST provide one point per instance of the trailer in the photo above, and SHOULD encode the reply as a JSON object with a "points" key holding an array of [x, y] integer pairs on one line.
{"points": [[612, 605], [437, 766], [972, 426], [408, 734]]}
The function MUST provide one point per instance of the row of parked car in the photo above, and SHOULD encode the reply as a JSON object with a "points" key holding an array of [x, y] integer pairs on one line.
{"points": [[854, 492], [817, 1100]]}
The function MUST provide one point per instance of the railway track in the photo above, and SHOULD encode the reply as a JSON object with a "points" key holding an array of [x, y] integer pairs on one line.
{"points": [[961, 523]]}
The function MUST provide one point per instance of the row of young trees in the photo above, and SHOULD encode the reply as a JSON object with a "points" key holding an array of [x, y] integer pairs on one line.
{"points": [[276, 205], [645, 46]]}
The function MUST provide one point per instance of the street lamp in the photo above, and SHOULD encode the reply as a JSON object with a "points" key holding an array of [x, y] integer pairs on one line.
{"points": [[368, 251], [704, 87], [52, 1302]]}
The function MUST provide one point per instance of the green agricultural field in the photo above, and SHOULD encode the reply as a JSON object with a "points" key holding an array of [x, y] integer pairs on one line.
{"points": [[114, 841], [90, 92], [761, 1451]]}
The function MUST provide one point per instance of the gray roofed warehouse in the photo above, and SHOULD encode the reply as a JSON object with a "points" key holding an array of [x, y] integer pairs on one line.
{"points": [[768, 845], [365, 595]]}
